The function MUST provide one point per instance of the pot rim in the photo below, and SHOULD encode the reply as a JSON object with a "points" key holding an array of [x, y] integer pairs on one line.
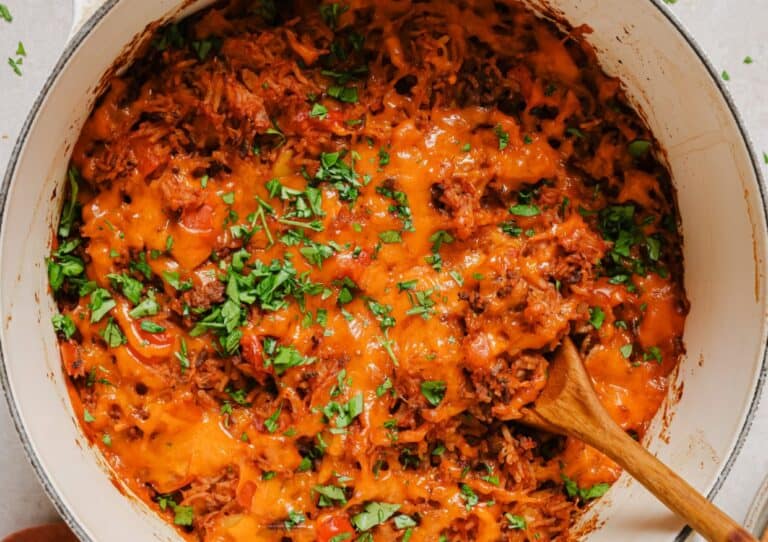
{"points": [[73, 45]]}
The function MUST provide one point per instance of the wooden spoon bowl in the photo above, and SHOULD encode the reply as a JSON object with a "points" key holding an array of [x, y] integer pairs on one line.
{"points": [[568, 405]]}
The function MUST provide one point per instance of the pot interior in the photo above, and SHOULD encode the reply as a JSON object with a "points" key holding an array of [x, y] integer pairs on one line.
{"points": [[723, 222]]}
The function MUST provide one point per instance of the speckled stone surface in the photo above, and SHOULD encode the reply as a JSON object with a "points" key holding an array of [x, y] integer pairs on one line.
{"points": [[727, 31]]}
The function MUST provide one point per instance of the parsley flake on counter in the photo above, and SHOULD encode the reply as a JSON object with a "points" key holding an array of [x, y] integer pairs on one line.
{"points": [[5, 13], [15, 66]]}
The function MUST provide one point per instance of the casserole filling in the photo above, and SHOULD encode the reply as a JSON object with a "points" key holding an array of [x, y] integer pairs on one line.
{"points": [[314, 259]]}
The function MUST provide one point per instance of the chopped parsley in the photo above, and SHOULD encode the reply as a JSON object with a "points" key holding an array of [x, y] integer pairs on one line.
{"points": [[422, 303], [183, 515], [344, 414], [522, 209], [572, 489], [515, 522], [639, 148], [330, 495], [433, 391], [287, 357], [318, 111], [294, 519], [271, 423], [653, 353], [375, 513], [173, 279], [502, 136], [101, 303], [183, 356], [64, 325], [130, 287], [403, 522], [384, 387], [400, 207], [344, 94], [511, 228], [70, 212], [330, 14], [151, 327], [340, 175], [147, 307], [596, 317], [470, 497], [390, 237]]}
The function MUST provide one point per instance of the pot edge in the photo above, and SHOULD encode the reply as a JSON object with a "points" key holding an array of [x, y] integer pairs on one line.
{"points": [[77, 40]]}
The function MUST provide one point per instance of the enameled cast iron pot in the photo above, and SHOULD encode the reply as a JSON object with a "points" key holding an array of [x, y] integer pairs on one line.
{"points": [[723, 213]]}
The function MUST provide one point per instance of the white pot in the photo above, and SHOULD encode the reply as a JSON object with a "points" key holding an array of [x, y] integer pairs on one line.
{"points": [[724, 226]]}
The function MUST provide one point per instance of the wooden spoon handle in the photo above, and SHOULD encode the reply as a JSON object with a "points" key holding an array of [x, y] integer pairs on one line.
{"points": [[703, 516]]}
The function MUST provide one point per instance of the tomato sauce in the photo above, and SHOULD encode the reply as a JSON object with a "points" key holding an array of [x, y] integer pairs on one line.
{"points": [[320, 255]]}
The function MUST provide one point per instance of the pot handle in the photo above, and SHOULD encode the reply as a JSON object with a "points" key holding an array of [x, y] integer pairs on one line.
{"points": [[82, 10]]}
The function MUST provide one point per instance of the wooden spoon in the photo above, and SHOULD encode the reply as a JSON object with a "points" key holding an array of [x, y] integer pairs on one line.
{"points": [[569, 405]]}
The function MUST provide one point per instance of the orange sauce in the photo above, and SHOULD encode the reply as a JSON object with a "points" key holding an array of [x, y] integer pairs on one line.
{"points": [[488, 153]]}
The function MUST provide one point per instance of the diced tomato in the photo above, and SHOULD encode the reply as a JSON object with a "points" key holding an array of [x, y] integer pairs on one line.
{"points": [[331, 526], [245, 494], [250, 346], [71, 359], [199, 219], [252, 350], [352, 266], [333, 121], [148, 155], [146, 346], [157, 339]]}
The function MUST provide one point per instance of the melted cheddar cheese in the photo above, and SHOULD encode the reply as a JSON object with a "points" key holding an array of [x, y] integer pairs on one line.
{"points": [[315, 259]]}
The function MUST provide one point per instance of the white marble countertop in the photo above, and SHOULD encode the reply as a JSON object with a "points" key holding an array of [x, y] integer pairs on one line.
{"points": [[727, 31]]}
